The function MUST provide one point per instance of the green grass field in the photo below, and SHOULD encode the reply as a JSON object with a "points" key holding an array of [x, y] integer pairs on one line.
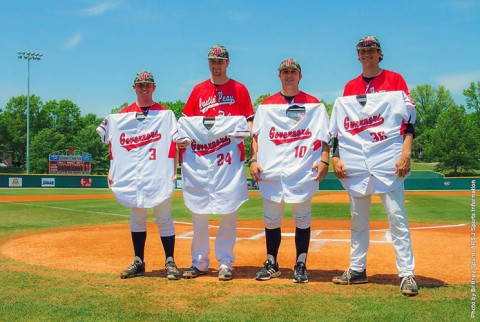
{"points": [[31, 292]]}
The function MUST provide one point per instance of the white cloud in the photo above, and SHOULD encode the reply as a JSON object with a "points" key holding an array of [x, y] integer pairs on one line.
{"points": [[457, 83], [73, 41], [101, 8]]}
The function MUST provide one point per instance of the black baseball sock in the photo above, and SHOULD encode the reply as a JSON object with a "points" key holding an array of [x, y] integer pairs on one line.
{"points": [[168, 243], [302, 241], [273, 238], [138, 239]]}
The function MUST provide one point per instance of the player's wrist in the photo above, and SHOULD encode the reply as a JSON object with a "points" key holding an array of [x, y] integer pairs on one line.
{"points": [[325, 162], [252, 161]]}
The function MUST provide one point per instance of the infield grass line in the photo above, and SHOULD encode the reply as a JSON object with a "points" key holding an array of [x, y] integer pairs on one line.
{"points": [[67, 209]]}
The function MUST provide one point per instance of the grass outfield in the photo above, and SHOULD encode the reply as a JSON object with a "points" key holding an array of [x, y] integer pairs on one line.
{"points": [[32, 292]]}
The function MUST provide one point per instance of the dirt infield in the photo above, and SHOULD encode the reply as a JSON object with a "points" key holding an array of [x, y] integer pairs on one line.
{"points": [[442, 252]]}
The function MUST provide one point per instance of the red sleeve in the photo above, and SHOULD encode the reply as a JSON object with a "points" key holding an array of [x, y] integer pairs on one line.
{"points": [[248, 111], [190, 106], [173, 150]]}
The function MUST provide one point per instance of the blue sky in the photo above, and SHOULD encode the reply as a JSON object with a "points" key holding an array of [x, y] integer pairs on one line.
{"points": [[93, 49]]}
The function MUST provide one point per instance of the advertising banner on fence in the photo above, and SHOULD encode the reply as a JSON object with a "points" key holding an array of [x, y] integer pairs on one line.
{"points": [[14, 182], [86, 182], [48, 182]]}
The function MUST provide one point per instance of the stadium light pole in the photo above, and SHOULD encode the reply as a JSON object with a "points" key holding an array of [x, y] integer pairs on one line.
{"points": [[28, 56]]}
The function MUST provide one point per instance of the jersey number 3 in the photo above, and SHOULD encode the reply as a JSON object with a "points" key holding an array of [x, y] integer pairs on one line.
{"points": [[153, 154]]}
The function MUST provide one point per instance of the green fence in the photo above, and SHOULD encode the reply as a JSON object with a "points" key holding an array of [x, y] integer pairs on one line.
{"points": [[418, 180]]}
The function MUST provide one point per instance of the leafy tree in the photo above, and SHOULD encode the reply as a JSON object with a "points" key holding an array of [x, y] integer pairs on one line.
{"points": [[430, 103], [64, 117], [329, 107], [118, 109], [90, 119], [87, 140], [259, 100], [453, 143], [46, 141], [14, 129], [176, 107], [472, 98]]}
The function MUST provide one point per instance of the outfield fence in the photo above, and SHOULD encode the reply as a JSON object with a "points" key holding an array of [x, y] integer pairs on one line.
{"points": [[418, 180]]}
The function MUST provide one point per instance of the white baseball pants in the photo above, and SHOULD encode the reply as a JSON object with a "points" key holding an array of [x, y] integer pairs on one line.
{"points": [[394, 204], [273, 213], [224, 241], [163, 219]]}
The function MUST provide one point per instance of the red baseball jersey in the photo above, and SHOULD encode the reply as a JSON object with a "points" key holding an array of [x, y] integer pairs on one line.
{"points": [[229, 99], [301, 98], [135, 108], [385, 82]]}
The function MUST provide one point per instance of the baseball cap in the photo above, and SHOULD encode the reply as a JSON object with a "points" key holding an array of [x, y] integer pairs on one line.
{"points": [[369, 42], [290, 63], [218, 52], [144, 77]]}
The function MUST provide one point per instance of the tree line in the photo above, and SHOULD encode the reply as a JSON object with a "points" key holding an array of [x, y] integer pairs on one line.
{"points": [[445, 132]]}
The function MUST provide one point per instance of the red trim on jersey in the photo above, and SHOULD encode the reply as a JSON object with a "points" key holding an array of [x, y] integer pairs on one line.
{"points": [[181, 153], [231, 98], [403, 128], [317, 145], [173, 150], [241, 146], [110, 150]]}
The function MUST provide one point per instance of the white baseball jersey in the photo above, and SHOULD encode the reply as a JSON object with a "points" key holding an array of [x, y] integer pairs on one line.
{"points": [[141, 156], [288, 149], [214, 179], [370, 139]]}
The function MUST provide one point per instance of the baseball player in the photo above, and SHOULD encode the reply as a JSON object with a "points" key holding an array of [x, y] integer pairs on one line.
{"points": [[372, 126], [214, 182], [290, 159], [142, 172], [217, 96]]}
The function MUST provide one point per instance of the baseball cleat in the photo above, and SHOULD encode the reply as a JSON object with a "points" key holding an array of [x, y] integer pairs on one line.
{"points": [[351, 277], [137, 268], [300, 273], [194, 272], [224, 274], [268, 271], [408, 286], [172, 272]]}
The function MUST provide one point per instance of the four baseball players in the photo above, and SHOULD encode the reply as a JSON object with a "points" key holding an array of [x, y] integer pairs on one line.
{"points": [[371, 127]]}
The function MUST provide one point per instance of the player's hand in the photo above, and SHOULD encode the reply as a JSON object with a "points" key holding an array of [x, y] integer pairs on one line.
{"points": [[402, 168], [183, 144], [322, 170], [174, 178], [109, 181], [255, 170], [339, 168]]}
